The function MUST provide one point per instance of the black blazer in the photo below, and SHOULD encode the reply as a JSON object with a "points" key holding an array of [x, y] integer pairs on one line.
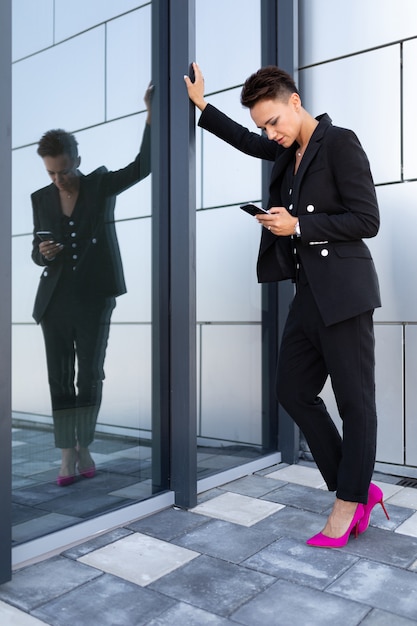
{"points": [[334, 199], [98, 270]]}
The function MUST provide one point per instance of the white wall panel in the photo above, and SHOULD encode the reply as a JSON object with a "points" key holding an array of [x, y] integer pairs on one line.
{"points": [[128, 41], [229, 176], [333, 28], [228, 41], [227, 249], [394, 251], [30, 391], [362, 93], [409, 108], [411, 394], [76, 16], [231, 383], [25, 280], [64, 86], [26, 38]]}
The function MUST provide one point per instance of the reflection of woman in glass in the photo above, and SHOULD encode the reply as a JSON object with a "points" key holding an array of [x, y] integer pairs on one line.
{"points": [[75, 240]]}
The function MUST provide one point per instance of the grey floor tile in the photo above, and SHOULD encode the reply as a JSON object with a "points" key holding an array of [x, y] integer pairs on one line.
{"points": [[213, 585], [306, 498], [42, 582], [225, 540], [291, 522], [294, 561], [385, 547], [186, 615], [41, 526], [168, 524], [108, 601], [382, 618], [388, 588], [98, 542], [253, 485], [287, 604], [398, 515]]}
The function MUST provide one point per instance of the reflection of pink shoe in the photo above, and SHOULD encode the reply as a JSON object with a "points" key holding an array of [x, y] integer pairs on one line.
{"points": [[323, 541], [64, 481], [90, 472], [375, 496]]}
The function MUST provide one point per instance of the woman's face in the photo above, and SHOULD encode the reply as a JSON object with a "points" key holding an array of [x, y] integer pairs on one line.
{"points": [[62, 170], [280, 120]]}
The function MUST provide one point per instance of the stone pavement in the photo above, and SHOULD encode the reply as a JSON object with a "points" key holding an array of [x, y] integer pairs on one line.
{"points": [[239, 557]]}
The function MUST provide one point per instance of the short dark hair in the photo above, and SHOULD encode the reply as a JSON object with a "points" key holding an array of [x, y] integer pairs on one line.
{"points": [[268, 83], [56, 142]]}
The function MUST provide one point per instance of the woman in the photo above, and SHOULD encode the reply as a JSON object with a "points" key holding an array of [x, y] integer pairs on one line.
{"points": [[322, 204], [75, 241]]}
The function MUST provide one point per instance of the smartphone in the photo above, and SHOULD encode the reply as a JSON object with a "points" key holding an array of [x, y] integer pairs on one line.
{"points": [[252, 209], [45, 235]]}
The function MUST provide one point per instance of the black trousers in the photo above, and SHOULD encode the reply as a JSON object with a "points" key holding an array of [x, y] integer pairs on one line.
{"points": [[309, 353], [76, 331]]}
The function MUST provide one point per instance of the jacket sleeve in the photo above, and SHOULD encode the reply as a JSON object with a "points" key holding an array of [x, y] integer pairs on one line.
{"points": [[115, 182], [236, 135]]}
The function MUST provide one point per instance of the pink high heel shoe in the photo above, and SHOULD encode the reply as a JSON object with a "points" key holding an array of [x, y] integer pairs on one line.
{"points": [[323, 541], [64, 481], [90, 472], [375, 496]]}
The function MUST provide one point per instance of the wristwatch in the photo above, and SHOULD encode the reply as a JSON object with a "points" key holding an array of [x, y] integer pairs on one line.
{"points": [[297, 231]]}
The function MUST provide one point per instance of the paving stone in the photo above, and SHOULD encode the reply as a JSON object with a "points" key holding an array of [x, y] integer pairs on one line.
{"points": [[388, 588], [108, 601], [238, 509], [382, 618], [253, 485], [186, 615], [213, 585], [306, 498], [294, 605], [295, 561], [291, 522], [385, 547], [11, 616], [98, 542], [168, 524], [224, 540], [42, 582]]}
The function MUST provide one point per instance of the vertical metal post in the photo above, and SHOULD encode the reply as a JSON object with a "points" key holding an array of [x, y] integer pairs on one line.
{"points": [[279, 47], [5, 289], [183, 258]]}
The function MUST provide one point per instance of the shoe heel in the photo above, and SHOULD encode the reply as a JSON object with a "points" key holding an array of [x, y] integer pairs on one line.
{"points": [[381, 502]]}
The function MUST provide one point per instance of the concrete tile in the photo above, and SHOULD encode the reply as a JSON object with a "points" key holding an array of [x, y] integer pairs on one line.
{"points": [[108, 601], [302, 497], [382, 618], [375, 584], [295, 561], [407, 496], [42, 526], [308, 476], [300, 606], [139, 558], [388, 489], [224, 540], [96, 542], [42, 582], [238, 509], [213, 585], [397, 515], [409, 527], [291, 522], [384, 546], [10, 616], [137, 491], [168, 523], [188, 615], [253, 486]]}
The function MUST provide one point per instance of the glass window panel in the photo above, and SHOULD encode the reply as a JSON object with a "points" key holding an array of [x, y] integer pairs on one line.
{"points": [[48, 81], [409, 114], [230, 273], [125, 95], [348, 90], [228, 36], [73, 17], [330, 29], [240, 181], [25, 38], [410, 393]]}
